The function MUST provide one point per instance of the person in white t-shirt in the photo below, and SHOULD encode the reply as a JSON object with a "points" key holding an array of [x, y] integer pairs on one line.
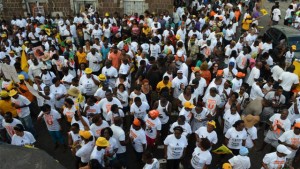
{"points": [[208, 132], [113, 147], [139, 109], [88, 143], [276, 15], [94, 59], [106, 103], [119, 135], [187, 130], [186, 111], [201, 157], [22, 137], [9, 123], [255, 73], [99, 151], [59, 91], [175, 147], [138, 139], [153, 128], [21, 103], [89, 82], [241, 161], [251, 130], [276, 159], [291, 139], [178, 84], [98, 125], [74, 139], [236, 136], [53, 120], [230, 117], [115, 111], [150, 162], [212, 100], [288, 80]]}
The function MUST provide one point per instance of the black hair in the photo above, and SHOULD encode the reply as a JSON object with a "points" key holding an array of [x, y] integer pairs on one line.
{"points": [[179, 128], [75, 125], [96, 118], [109, 131], [137, 99], [114, 107], [46, 107], [54, 80], [69, 101], [237, 123], [205, 143]]}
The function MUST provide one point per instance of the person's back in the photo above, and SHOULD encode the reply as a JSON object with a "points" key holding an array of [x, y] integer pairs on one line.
{"points": [[240, 162]]}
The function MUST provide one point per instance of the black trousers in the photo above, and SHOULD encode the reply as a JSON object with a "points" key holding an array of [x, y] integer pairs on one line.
{"points": [[173, 164]]}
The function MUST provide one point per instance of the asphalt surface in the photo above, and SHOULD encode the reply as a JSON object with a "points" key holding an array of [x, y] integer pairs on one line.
{"points": [[65, 158]]}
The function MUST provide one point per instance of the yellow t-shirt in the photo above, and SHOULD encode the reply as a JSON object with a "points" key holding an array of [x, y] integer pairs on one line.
{"points": [[6, 106], [297, 72], [81, 57], [161, 85]]}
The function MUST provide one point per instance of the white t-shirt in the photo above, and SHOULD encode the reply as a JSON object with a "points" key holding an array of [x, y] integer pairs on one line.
{"points": [[235, 138], [288, 80], [26, 139], [256, 92], [200, 158], [68, 79], [22, 101], [254, 74], [10, 126], [211, 103], [290, 137], [96, 130], [139, 112], [203, 133], [88, 85], [139, 139], [273, 161], [292, 115], [276, 120], [92, 110], [186, 128], [51, 120], [251, 135], [123, 96], [85, 151], [94, 58], [276, 13], [47, 78], [110, 115], [175, 146], [240, 162], [105, 105], [119, 135], [112, 73], [230, 119], [176, 85], [98, 155], [69, 112], [187, 114], [154, 165], [142, 96], [152, 126], [57, 92]]}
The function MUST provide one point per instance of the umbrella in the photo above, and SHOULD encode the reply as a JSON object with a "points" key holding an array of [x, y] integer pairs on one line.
{"points": [[26, 158]]}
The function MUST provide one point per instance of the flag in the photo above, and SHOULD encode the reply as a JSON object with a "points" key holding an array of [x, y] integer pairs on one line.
{"points": [[264, 12], [222, 150], [128, 40], [24, 64], [48, 31]]}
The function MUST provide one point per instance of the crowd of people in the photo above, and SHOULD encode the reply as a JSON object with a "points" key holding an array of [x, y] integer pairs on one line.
{"points": [[198, 77]]}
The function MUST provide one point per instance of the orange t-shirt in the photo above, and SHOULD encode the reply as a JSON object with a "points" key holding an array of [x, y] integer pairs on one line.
{"points": [[27, 93], [115, 59]]}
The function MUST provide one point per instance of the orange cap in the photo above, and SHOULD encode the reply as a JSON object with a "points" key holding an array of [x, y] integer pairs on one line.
{"points": [[240, 74], [153, 113], [136, 122], [297, 125], [220, 73]]}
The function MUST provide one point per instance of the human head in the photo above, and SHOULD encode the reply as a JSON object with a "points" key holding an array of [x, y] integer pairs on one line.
{"points": [[178, 130]]}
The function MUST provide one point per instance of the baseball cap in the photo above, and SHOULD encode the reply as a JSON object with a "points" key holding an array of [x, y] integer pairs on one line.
{"points": [[283, 149], [231, 63], [153, 113], [85, 134], [297, 125], [226, 166], [244, 151], [213, 123], [136, 122], [240, 74], [179, 71], [188, 105]]}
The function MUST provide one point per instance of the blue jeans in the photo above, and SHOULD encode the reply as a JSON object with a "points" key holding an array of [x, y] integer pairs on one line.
{"points": [[56, 137], [27, 122]]}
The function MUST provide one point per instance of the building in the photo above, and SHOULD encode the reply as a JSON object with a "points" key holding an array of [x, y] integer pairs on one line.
{"points": [[70, 7]]}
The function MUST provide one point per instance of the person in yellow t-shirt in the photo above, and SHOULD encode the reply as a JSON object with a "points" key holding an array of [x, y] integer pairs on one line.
{"points": [[6, 104], [164, 83], [81, 56], [146, 30], [246, 23]]}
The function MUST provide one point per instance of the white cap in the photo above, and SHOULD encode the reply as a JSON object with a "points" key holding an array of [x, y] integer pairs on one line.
{"points": [[283, 149], [179, 71]]}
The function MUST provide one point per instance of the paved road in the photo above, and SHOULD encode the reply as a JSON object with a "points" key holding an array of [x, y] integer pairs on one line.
{"points": [[66, 159]]}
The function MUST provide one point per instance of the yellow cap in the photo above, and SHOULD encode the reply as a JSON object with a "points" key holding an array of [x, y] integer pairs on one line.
{"points": [[21, 77], [213, 123], [294, 47], [11, 52], [85, 134], [177, 37], [3, 93], [102, 77], [102, 142], [4, 35], [106, 14], [88, 71], [12, 92], [226, 166], [188, 105]]}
